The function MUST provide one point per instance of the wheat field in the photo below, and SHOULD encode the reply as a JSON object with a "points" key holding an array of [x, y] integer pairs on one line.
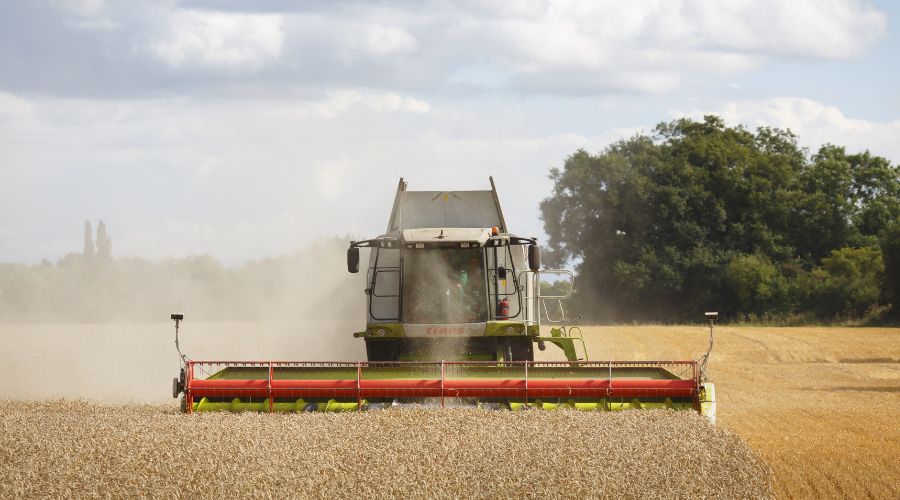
{"points": [[65, 449], [820, 406]]}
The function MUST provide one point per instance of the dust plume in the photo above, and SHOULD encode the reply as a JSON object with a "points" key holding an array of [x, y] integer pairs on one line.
{"points": [[100, 329], [444, 287]]}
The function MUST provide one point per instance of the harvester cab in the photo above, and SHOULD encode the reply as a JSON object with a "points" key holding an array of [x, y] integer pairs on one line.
{"points": [[454, 309], [448, 281]]}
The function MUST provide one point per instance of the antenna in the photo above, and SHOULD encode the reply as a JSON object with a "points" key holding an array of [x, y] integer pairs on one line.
{"points": [[711, 317], [178, 318]]}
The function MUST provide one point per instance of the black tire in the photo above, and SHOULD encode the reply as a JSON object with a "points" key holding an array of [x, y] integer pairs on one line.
{"points": [[382, 350]]}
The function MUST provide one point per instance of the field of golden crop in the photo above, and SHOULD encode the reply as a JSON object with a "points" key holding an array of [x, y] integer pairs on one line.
{"points": [[66, 449], [820, 405]]}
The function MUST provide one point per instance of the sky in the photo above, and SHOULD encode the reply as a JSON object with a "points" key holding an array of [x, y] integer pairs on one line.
{"points": [[249, 129]]}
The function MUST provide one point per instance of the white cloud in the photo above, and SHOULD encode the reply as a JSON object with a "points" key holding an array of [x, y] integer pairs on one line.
{"points": [[218, 39], [88, 15], [95, 24], [389, 102], [829, 29], [332, 177], [242, 182], [553, 47], [13, 107], [384, 40], [814, 122], [653, 45], [263, 126], [81, 8], [337, 103]]}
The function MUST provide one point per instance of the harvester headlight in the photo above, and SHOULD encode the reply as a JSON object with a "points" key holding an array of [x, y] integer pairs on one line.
{"points": [[380, 332], [509, 329]]}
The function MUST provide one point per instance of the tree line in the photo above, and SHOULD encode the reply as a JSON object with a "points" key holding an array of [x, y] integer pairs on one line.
{"points": [[699, 215], [93, 286]]}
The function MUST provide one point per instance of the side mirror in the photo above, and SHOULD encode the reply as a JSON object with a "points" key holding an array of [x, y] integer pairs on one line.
{"points": [[534, 257], [353, 259]]}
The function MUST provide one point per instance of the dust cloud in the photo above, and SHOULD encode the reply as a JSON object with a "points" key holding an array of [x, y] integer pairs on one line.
{"points": [[101, 331], [444, 286]]}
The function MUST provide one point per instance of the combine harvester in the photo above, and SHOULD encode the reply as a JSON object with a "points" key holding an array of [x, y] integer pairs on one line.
{"points": [[454, 312]]}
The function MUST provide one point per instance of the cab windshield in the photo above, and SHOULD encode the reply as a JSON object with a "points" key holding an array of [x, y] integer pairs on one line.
{"points": [[444, 286]]}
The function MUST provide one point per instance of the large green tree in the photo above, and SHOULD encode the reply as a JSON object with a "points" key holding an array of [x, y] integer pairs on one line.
{"points": [[663, 226], [890, 249]]}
